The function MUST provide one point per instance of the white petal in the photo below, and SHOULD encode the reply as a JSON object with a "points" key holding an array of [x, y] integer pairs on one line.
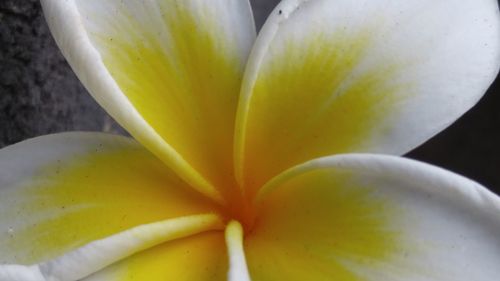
{"points": [[97, 255], [340, 76], [238, 270], [378, 218], [60, 192], [168, 71]]}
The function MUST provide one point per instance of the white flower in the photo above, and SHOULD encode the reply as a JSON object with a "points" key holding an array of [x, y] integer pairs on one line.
{"points": [[243, 167]]}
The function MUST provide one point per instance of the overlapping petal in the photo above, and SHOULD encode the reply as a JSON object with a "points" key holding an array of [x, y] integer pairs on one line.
{"points": [[198, 258], [96, 255], [372, 217], [168, 71], [238, 269], [61, 192], [340, 76], [201, 257], [325, 77]]}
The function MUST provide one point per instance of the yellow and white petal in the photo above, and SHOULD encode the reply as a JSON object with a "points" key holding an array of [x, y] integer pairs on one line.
{"points": [[168, 71], [93, 257], [238, 270], [208, 256], [373, 218], [340, 76], [61, 192], [201, 257]]}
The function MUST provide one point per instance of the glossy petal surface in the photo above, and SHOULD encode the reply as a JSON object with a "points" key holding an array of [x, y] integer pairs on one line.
{"points": [[377, 218], [340, 76], [60, 192], [169, 71]]}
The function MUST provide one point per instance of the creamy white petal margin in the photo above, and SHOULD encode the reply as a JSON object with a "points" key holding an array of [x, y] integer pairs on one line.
{"points": [[340, 76], [162, 69], [438, 225]]}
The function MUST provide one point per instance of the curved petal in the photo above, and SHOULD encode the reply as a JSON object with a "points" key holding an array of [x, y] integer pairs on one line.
{"points": [[372, 217], [340, 76], [198, 258], [60, 192], [168, 71], [238, 270], [96, 255]]}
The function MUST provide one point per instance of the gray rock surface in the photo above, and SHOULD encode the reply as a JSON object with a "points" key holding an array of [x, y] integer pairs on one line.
{"points": [[39, 94]]}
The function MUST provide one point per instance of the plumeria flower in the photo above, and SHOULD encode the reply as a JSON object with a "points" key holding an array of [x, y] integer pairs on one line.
{"points": [[242, 165]]}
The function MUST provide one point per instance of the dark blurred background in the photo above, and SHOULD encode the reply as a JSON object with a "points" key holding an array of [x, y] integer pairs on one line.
{"points": [[39, 94]]}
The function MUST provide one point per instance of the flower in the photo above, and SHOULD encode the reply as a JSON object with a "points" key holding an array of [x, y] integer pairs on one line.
{"points": [[260, 185]]}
